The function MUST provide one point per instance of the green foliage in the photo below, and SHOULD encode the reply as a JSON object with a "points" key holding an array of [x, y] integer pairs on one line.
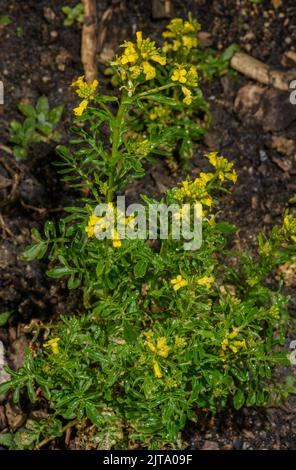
{"points": [[5, 20], [4, 317], [73, 15], [184, 110], [39, 125], [163, 331]]}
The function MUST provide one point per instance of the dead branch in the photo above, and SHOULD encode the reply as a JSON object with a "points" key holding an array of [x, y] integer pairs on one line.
{"points": [[262, 73], [89, 40]]}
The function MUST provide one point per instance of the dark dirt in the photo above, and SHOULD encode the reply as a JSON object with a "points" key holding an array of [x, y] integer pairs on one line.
{"points": [[41, 56]]}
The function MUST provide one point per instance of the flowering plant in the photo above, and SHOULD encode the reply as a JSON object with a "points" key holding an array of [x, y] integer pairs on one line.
{"points": [[162, 330]]}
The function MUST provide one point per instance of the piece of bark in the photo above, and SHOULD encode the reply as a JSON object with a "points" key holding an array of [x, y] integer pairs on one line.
{"points": [[89, 41], [262, 73], [161, 9]]}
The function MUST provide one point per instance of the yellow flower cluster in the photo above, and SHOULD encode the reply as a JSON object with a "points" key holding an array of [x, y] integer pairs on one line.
{"points": [[186, 75], [196, 191], [234, 346], [136, 58], [53, 344], [159, 348], [181, 34], [206, 281], [84, 91], [178, 282], [158, 112], [180, 342], [96, 224], [289, 226], [224, 168]]}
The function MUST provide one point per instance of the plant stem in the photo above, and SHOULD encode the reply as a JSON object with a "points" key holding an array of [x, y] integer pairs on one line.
{"points": [[116, 141], [51, 438], [155, 90]]}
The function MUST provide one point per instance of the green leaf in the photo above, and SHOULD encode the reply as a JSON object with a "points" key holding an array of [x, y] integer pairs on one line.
{"points": [[160, 99], [251, 398], [230, 51], [130, 332], [140, 269], [4, 317], [238, 399], [27, 110], [73, 282], [5, 20], [58, 272], [34, 251], [31, 392], [93, 414], [19, 152], [225, 227], [29, 125], [42, 105], [7, 440], [55, 114], [49, 229], [4, 387]]}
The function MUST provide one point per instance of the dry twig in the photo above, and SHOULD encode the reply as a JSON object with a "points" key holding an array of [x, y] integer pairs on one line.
{"points": [[262, 73], [89, 40]]}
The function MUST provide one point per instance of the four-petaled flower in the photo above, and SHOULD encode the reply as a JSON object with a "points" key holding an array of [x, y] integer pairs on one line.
{"points": [[86, 92], [178, 282], [206, 281], [53, 344]]}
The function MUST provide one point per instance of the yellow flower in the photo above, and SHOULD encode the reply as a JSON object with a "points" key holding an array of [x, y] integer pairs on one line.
{"points": [[159, 59], [225, 344], [178, 282], [180, 342], [183, 213], [223, 167], [85, 91], [135, 71], [115, 239], [233, 346], [179, 75], [79, 110], [130, 55], [182, 34], [189, 42], [136, 58], [162, 349], [189, 27], [188, 95], [149, 71], [90, 228], [206, 281], [234, 333], [157, 371], [93, 219], [53, 344], [206, 177], [289, 226]]}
